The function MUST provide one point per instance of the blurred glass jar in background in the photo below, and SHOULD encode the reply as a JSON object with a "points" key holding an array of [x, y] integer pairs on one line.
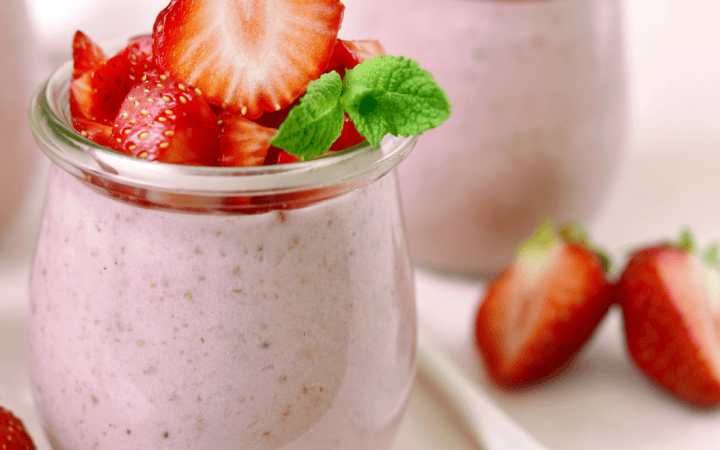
{"points": [[18, 154], [538, 121]]}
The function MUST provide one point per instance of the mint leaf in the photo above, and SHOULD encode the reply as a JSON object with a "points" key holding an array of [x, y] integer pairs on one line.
{"points": [[392, 94], [314, 124]]}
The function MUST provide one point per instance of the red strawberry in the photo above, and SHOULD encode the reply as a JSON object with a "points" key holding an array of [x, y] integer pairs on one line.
{"points": [[247, 56], [669, 297], [13, 435], [165, 120], [87, 55], [243, 143], [97, 94], [278, 156], [140, 57], [96, 132], [350, 53], [539, 312], [348, 137]]}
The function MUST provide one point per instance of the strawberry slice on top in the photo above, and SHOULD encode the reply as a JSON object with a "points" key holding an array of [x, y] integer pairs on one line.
{"points": [[87, 55], [165, 120], [540, 311], [243, 143], [670, 297], [140, 57], [247, 56], [98, 86]]}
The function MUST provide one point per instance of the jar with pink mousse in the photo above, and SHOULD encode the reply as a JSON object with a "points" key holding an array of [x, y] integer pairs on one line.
{"points": [[176, 307]]}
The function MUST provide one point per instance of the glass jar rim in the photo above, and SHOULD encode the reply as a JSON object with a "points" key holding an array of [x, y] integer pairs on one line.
{"points": [[51, 124]]}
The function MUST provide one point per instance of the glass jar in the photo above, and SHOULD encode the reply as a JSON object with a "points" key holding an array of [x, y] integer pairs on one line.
{"points": [[176, 307], [538, 122]]}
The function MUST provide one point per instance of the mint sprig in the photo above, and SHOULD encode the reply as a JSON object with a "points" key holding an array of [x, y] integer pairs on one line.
{"points": [[316, 122], [386, 94]]}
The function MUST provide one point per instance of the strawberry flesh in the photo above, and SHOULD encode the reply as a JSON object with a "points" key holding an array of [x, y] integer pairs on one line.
{"points": [[538, 314], [97, 132], [672, 332], [140, 57], [243, 143], [87, 55], [348, 137], [246, 56], [96, 94], [165, 120], [349, 53]]}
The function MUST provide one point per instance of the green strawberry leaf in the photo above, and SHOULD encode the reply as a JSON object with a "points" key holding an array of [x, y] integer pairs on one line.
{"points": [[392, 94], [313, 125]]}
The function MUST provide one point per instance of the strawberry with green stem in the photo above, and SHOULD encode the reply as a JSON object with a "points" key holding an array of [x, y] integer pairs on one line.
{"points": [[670, 297], [540, 311]]}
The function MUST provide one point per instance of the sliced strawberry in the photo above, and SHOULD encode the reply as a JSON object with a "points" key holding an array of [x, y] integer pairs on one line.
{"points": [[243, 143], [13, 435], [111, 83], [669, 297], [348, 137], [96, 132], [278, 156], [247, 56], [140, 57], [274, 119], [81, 97], [165, 120], [349, 53], [540, 311], [87, 55], [97, 95]]}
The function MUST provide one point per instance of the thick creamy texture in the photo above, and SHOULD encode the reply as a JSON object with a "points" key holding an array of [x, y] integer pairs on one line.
{"points": [[289, 330], [537, 126]]}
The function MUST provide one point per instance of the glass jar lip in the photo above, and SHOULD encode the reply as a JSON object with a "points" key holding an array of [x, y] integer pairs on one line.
{"points": [[52, 127]]}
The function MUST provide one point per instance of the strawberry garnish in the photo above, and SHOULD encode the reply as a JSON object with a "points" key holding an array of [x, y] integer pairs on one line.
{"points": [[349, 53], [165, 120], [140, 57], [669, 297], [97, 94], [348, 137], [247, 56], [243, 143], [539, 312], [279, 156], [87, 55], [94, 131], [13, 435]]}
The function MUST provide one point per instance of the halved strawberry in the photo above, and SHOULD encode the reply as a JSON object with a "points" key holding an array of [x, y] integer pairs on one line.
{"points": [[140, 57], [96, 132], [670, 301], [87, 55], [13, 435], [539, 312], [165, 120], [247, 56], [243, 143]]}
